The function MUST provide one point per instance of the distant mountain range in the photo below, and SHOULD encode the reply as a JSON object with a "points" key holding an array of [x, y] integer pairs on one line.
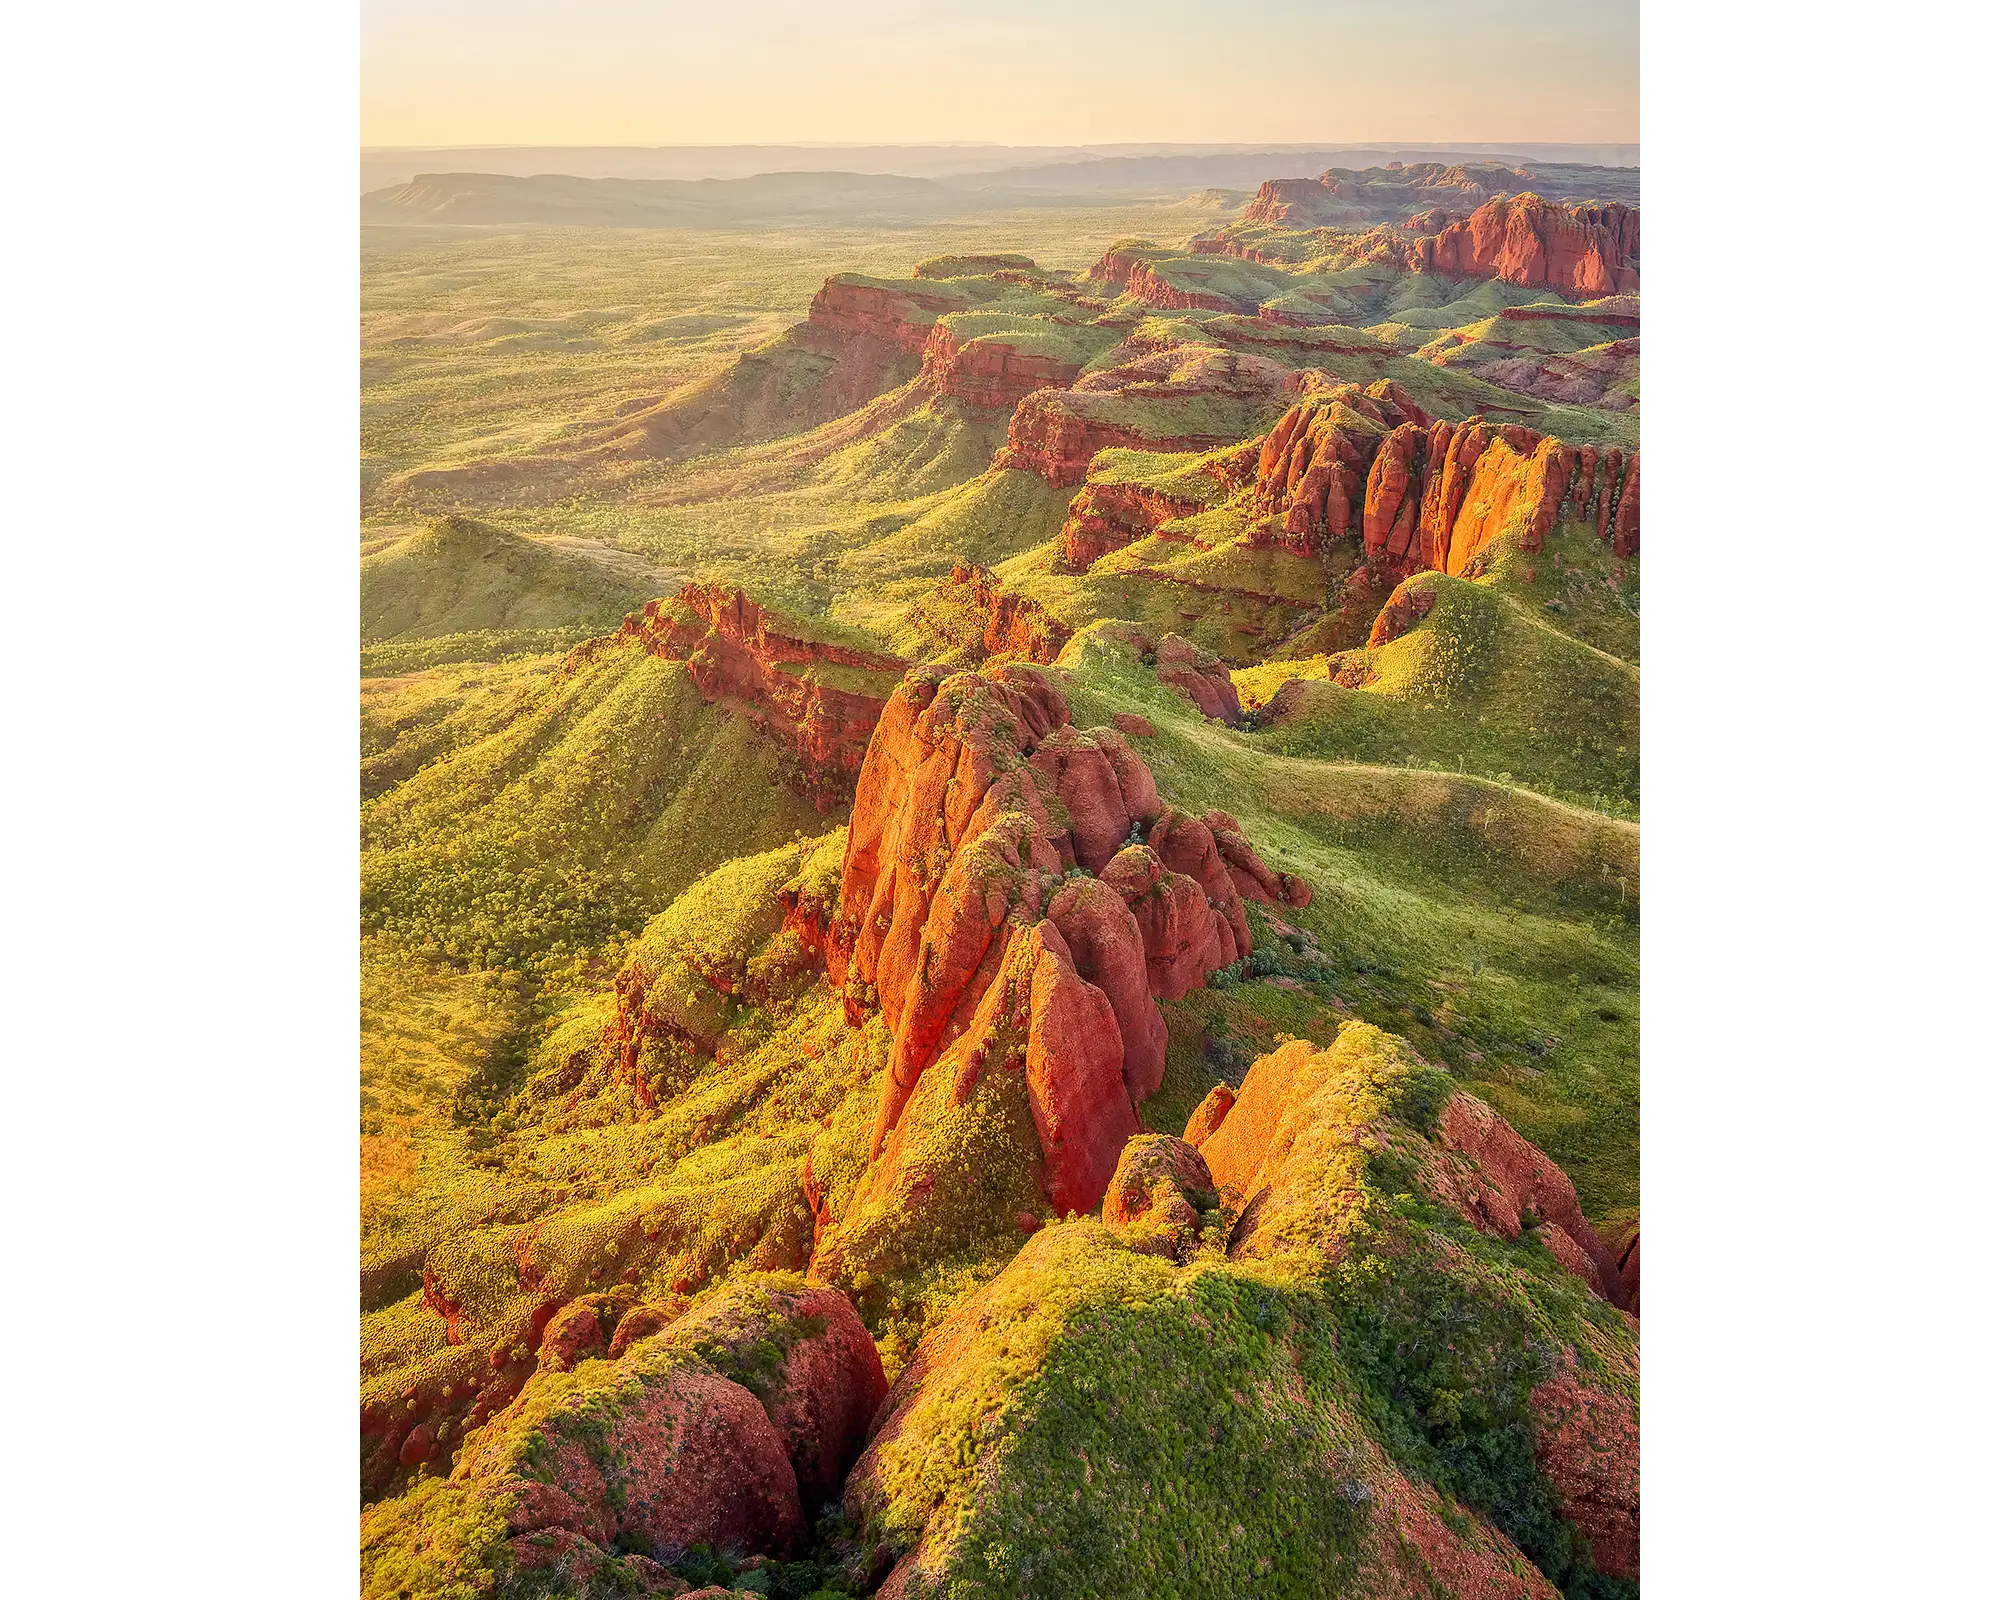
{"points": [[1067, 168]]}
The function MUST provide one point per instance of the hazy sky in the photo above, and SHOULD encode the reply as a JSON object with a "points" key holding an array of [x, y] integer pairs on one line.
{"points": [[1011, 71]]}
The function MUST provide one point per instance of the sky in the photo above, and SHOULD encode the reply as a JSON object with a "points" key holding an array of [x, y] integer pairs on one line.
{"points": [[462, 72]]}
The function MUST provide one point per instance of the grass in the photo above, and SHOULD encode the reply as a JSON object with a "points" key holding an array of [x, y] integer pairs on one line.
{"points": [[1481, 685]]}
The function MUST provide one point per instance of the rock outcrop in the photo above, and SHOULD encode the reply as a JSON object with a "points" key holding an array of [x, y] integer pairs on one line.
{"points": [[1424, 494], [721, 1429], [1182, 397], [1314, 464], [1524, 239], [1015, 895], [900, 314], [1128, 271], [1283, 1154], [1262, 1149], [1112, 1343], [969, 618], [1104, 517], [988, 371], [819, 698]]}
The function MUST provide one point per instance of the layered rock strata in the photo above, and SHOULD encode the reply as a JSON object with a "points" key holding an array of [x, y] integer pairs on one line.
{"points": [[818, 698]]}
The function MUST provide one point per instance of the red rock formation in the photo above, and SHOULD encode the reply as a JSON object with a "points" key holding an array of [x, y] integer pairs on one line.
{"points": [[988, 371], [1056, 432], [824, 1391], [1342, 195], [977, 798], [1524, 239], [693, 1459], [971, 614], [1046, 437], [1437, 497], [1625, 526], [1108, 516], [1511, 1182], [1314, 463], [1130, 272], [1587, 1445], [1201, 676], [1404, 609], [902, 316], [751, 659], [1207, 1116], [1158, 1174]]}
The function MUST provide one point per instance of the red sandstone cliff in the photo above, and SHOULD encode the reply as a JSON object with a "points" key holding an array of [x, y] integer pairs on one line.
{"points": [[989, 371], [1426, 494], [792, 686], [900, 316], [1524, 239]]}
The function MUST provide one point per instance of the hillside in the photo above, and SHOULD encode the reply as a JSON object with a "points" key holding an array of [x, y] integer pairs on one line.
{"points": [[1029, 982]]}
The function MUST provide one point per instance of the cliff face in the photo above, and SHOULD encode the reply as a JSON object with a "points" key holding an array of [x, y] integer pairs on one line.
{"points": [[899, 316], [1425, 494], [1014, 896], [1184, 397], [1524, 239], [989, 371], [1132, 274], [821, 699]]}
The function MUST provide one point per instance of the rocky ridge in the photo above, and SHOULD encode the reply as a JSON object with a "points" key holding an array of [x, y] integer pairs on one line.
{"points": [[1429, 494], [819, 698], [1015, 895]]}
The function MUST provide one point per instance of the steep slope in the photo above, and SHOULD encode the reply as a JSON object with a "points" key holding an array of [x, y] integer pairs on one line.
{"points": [[699, 731], [456, 575], [1266, 1409]]}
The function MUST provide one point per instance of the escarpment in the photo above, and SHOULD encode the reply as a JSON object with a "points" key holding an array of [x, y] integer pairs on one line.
{"points": [[988, 370], [1429, 494], [900, 314], [819, 698], [1015, 895], [1524, 239], [1181, 398]]}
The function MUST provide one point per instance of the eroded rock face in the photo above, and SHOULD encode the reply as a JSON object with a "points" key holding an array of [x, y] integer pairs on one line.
{"points": [[1014, 897], [721, 1426], [1423, 494], [1056, 432], [1314, 464], [1524, 239], [819, 698], [1108, 516], [902, 316], [823, 1387], [971, 613], [988, 371]]}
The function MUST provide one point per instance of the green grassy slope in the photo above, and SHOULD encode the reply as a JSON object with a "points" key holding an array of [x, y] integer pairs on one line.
{"points": [[601, 792], [456, 576]]}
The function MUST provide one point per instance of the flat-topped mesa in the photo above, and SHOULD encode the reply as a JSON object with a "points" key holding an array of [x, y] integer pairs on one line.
{"points": [[988, 371], [1425, 494], [1179, 398], [1014, 896], [1131, 273], [1524, 239], [1342, 195], [820, 698], [901, 314]]}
